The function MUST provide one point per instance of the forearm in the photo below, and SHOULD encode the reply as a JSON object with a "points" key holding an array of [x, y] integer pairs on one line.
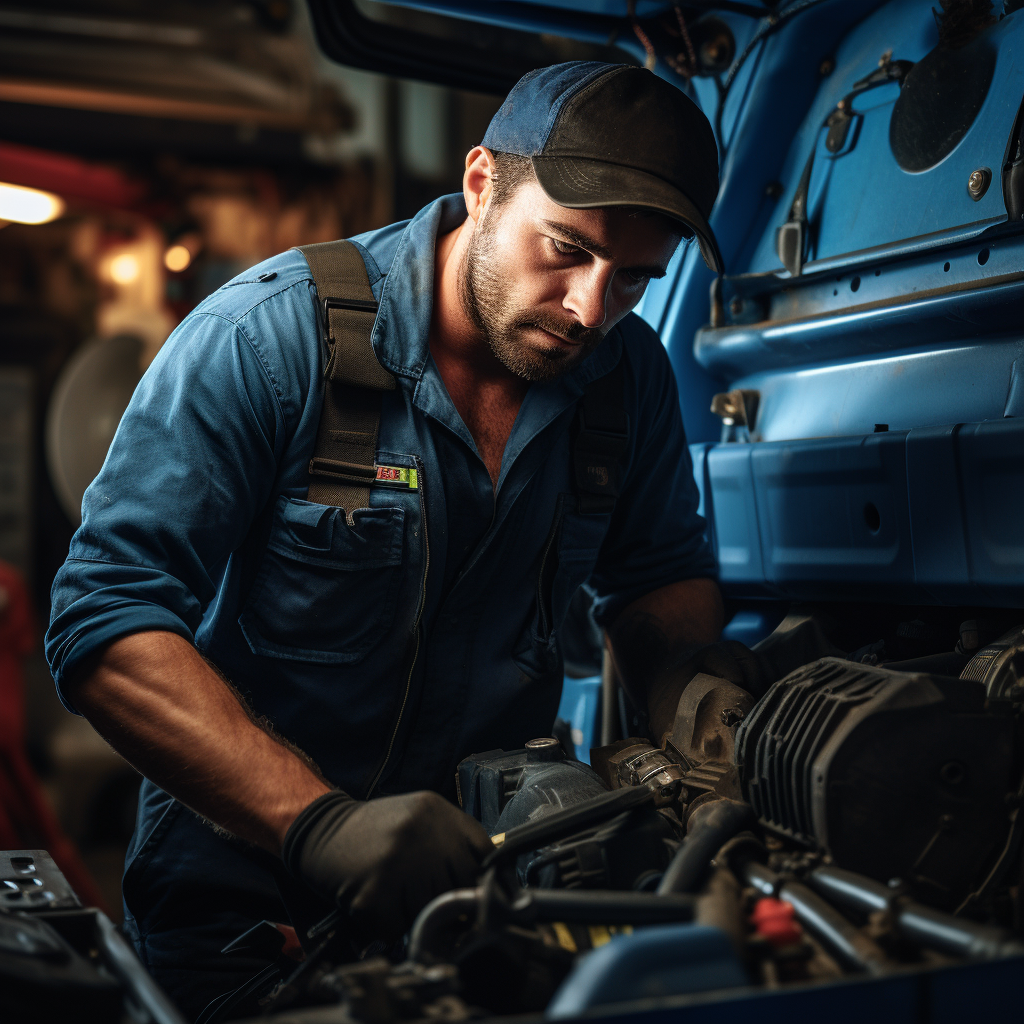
{"points": [[168, 712], [654, 635]]}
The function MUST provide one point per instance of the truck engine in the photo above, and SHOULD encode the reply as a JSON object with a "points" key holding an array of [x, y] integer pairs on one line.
{"points": [[861, 820]]}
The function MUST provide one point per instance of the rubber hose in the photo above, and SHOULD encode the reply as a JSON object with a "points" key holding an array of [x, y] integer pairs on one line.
{"points": [[710, 827]]}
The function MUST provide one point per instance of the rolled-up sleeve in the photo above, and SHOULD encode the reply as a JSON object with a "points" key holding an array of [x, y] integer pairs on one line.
{"points": [[656, 536], [190, 466]]}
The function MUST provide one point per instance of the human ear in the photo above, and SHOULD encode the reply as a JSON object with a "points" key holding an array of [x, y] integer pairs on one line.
{"points": [[478, 181]]}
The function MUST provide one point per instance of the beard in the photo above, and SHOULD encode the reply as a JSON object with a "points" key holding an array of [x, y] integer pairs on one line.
{"points": [[484, 289]]}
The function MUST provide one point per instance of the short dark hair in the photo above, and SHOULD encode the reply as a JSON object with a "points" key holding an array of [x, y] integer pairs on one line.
{"points": [[511, 173]]}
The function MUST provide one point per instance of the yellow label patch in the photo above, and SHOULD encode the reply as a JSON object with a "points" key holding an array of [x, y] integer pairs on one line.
{"points": [[403, 477]]}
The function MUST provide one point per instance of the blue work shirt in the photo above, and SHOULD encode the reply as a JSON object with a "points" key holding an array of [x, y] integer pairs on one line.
{"points": [[361, 644]]}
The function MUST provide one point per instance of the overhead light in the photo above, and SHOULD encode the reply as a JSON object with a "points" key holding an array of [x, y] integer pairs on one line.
{"points": [[28, 205], [124, 269], [177, 258]]}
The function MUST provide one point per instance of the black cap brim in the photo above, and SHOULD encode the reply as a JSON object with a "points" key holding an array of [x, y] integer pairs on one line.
{"points": [[582, 184]]}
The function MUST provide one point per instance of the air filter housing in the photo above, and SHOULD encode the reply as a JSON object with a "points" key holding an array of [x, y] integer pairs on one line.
{"points": [[894, 774]]}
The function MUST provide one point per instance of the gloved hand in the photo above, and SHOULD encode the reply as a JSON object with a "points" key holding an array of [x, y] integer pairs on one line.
{"points": [[726, 659], [382, 861]]}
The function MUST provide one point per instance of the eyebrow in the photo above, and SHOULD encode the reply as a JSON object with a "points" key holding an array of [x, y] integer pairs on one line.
{"points": [[591, 245]]}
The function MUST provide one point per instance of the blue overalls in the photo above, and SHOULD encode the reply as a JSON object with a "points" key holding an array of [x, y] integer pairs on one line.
{"points": [[388, 650]]}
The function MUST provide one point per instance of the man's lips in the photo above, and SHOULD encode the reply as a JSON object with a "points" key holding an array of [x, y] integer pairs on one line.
{"points": [[557, 337]]}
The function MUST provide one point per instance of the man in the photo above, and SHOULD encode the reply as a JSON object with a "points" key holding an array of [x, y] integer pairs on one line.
{"points": [[270, 663]]}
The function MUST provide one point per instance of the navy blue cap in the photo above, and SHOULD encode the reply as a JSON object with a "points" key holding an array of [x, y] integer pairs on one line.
{"points": [[614, 135]]}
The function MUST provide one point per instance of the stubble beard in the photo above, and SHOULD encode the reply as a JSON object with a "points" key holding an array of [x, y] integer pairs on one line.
{"points": [[484, 292]]}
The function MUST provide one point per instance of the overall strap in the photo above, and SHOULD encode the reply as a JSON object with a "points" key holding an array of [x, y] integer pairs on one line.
{"points": [[343, 467], [600, 439]]}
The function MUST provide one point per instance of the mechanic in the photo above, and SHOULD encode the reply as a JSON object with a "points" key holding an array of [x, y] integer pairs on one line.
{"points": [[270, 663]]}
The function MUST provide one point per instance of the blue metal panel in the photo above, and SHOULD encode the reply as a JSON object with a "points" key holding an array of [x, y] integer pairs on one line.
{"points": [[958, 383], [737, 536], [936, 516], [990, 458], [768, 102], [834, 511], [930, 515], [861, 197]]}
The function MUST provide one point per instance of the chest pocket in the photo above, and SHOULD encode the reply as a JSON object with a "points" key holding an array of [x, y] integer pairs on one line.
{"points": [[327, 591]]}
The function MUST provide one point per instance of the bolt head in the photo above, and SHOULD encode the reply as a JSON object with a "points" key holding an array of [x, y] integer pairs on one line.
{"points": [[977, 183]]}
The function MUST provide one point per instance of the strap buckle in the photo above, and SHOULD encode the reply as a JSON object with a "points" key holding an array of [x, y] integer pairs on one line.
{"points": [[357, 305]]}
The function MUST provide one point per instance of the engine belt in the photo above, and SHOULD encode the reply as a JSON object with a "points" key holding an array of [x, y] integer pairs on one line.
{"points": [[343, 467]]}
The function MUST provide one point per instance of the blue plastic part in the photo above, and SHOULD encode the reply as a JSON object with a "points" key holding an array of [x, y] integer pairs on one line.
{"points": [[666, 960], [580, 707], [988, 991], [930, 515]]}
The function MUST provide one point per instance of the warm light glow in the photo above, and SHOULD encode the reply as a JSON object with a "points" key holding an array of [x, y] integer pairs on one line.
{"points": [[29, 205], [124, 269], [177, 258]]}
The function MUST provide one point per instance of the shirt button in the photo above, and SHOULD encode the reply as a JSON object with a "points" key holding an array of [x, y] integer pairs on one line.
{"points": [[268, 276]]}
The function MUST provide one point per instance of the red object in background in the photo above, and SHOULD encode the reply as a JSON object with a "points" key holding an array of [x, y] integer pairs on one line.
{"points": [[26, 820], [775, 921], [68, 176]]}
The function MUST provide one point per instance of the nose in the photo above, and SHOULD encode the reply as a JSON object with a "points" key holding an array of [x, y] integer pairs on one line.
{"points": [[587, 296]]}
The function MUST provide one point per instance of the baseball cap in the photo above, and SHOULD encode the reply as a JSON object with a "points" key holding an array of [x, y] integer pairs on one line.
{"points": [[614, 135]]}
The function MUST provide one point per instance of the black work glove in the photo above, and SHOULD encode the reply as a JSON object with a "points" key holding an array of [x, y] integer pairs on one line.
{"points": [[382, 861]]}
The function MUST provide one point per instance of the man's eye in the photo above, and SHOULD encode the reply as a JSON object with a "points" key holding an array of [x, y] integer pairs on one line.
{"points": [[564, 247], [637, 276]]}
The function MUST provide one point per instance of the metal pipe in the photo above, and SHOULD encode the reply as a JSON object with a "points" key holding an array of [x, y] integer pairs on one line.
{"points": [[602, 907], [710, 827], [550, 827], [531, 905], [914, 921], [610, 728], [440, 912], [844, 940]]}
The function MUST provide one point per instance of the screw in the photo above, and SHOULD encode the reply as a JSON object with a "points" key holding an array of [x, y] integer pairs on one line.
{"points": [[977, 183], [732, 716]]}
